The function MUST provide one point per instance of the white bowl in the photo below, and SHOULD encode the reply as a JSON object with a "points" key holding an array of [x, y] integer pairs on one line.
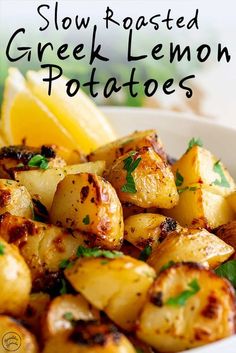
{"points": [[175, 130]]}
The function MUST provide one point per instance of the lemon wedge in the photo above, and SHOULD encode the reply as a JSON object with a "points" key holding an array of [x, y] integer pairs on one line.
{"points": [[79, 115]]}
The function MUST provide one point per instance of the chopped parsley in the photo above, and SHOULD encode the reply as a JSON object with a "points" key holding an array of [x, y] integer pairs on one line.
{"points": [[2, 249], [194, 142], [182, 298], [68, 316], [139, 350], [145, 253], [130, 164], [228, 270], [190, 188], [38, 161], [179, 179], [222, 181], [63, 289], [86, 219], [65, 264], [167, 265], [96, 252]]}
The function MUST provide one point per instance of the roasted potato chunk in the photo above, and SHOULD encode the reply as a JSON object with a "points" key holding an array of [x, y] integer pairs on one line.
{"points": [[90, 337], [14, 337], [17, 157], [89, 203], [129, 280], [199, 207], [172, 321], [15, 199], [144, 179], [36, 309], [15, 280], [130, 210], [64, 311], [148, 229], [198, 165], [227, 233], [42, 184], [111, 151], [43, 246], [195, 245]]}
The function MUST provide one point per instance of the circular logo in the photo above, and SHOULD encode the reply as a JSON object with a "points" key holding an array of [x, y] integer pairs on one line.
{"points": [[11, 341]]}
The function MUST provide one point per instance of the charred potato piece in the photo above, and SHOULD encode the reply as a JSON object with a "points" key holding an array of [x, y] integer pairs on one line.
{"points": [[199, 207], [15, 280], [116, 149], [89, 203], [42, 184], [129, 280], [15, 199], [36, 309], [152, 183], [206, 314], [14, 337], [196, 245], [64, 311], [198, 165], [90, 337], [17, 157], [148, 229], [43, 246], [227, 233]]}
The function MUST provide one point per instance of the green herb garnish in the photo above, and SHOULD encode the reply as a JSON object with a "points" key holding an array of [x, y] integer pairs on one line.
{"points": [[219, 170], [68, 316], [228, 270], [139, 350], [179, 179], [86, 219], [194, 142], [130, 164], [65, 264], [2, 249], [63, 289], [182, 189], [167, 265], [181, 298], [190, 188], [145, 253], [38, 161], [96, 252]]}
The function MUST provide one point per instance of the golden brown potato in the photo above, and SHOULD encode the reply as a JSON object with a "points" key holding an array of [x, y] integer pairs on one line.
{"points": [[42, 184], [88, 203], [130, 210], [111, 151], [15, 199], [15, 280], [14, 158], [117, 286], [227, 233], [70, 156], [90, 337], [232, 201], [14, 337], [196, 245], [172, 321], [62, 313], [43, 246], [148, 229], [199, 207], [198, 165], [38, 303], [144, 179]]}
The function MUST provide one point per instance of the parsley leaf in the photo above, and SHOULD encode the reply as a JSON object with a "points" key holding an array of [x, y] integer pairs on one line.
{"points": [[96, 252], [65, 264], [145, 253], [194, 142], [2, 249], [139, 350], [228, 270], [190, 188], [63, 289], [130, 164], [222, 181], [167, 265], [181, 298], [86, 219], [38, 161], [179, 179], [182, 190], [68, 316]]}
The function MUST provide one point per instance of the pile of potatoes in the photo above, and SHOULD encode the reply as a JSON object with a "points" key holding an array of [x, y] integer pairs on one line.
{"points": [[115, 253]]}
